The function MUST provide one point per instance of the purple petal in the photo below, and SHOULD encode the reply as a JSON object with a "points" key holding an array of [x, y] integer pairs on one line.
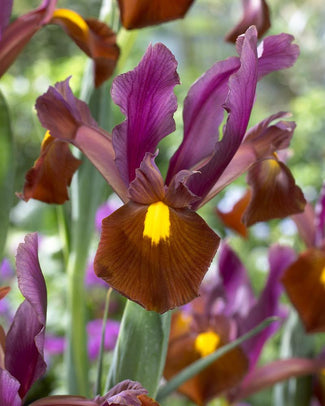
{"points": [[145, 96], [203, 113], [6, 270], [276, 52], [268, 303], [148, 186], [54, 344], [277, 371], [305, 223], [9, 387], [239, 294], [25, 339], [239, 103], [94, 331], [125, 393]]}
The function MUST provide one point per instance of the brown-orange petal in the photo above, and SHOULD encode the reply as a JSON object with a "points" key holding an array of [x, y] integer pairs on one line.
{"points": [[233, 218], [155, 255], [304, 282], [221, 375], [4, 290], [94, 37], [274, 192], [142, 13], [147, 400], [51, 174]]}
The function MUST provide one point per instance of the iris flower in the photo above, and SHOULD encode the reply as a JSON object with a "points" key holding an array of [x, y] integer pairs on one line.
{"points": [[255, 12], [227, 309], [304, 280], [95, 38], [156, 249], [142, 13]]}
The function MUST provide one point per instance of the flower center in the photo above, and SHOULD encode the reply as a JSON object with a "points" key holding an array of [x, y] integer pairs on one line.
{"points": [[206, 343], [157, 223]]}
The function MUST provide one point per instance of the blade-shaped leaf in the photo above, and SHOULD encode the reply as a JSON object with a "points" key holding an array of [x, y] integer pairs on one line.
{"points": [[141, 348], [7, 168]]}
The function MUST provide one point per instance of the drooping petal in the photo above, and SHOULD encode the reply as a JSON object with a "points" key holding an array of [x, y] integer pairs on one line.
{"points": [[268, 303], [203, 113], [242, 86], [69, 119], [233, 218], [274, 192], [261, 141], [49, 178], [239, 294], [142, 13], [145, 96], [304, 282], [275, 372], [9, 387], [94, 37], [155, 255], [25, 339], [256, 12], [4, 290]]}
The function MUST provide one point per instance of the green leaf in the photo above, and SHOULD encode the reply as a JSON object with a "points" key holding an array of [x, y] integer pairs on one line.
{"points": [[202, 363], [7, 170], [141, 348]]}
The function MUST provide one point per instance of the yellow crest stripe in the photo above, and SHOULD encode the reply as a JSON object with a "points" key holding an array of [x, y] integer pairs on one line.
{"points": [[157, 223], [206, 343]]}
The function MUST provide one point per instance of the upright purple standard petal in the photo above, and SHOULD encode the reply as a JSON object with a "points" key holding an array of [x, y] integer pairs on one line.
{"points": [[268, 303], [25, 339], [239, 103], [145, 96], [203, 113]]}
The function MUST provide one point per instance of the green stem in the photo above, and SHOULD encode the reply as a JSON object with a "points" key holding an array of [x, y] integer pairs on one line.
{"points": [[98, 387]]}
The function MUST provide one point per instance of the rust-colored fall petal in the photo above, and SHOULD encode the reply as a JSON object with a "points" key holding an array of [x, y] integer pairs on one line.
{"points": [[274, 192], [142, 13], [158, 263], [94, 37], [147, 401], [221, 375], [304, 282], [4, 290], [233, 218], [51, 174], [256, 12]]}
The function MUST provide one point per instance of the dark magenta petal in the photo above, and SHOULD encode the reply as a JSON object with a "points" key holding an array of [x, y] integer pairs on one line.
{"points": [[256, 12], [9, 387], [142, 13], [242, 86], [268, 303], [145, 96], [203, 113], [25, 338], [239, 294]]}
